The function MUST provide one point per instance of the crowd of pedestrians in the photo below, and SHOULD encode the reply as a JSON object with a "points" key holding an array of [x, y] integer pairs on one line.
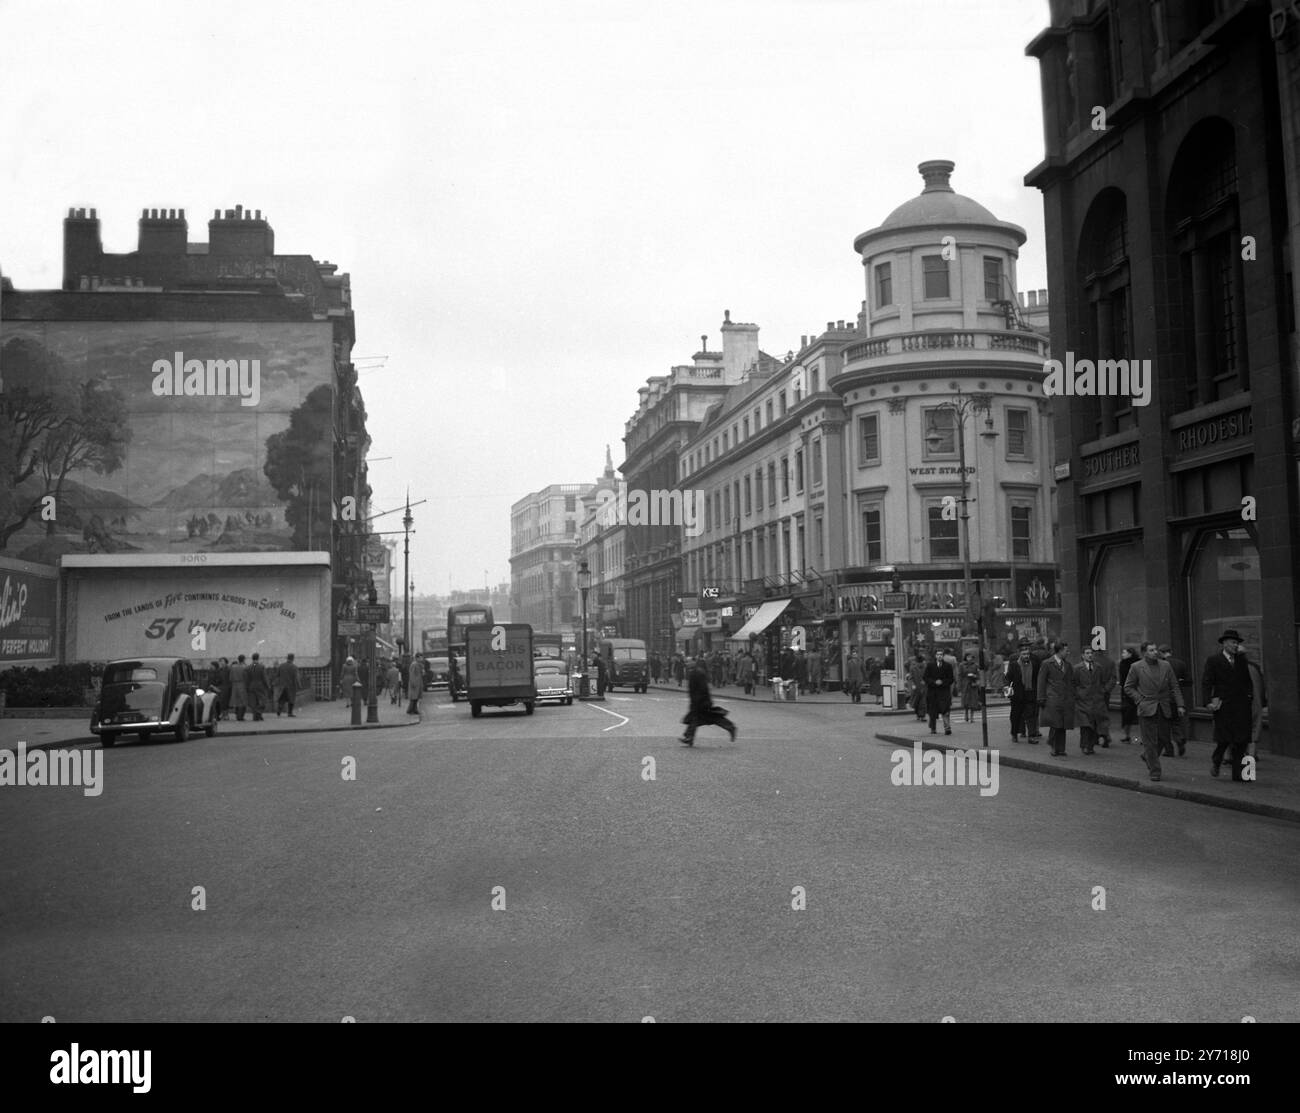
{"points": [[1048, 690], [249, 686]]}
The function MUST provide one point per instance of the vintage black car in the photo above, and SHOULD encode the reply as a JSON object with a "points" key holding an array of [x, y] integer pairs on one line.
{"points": [[147, 694]]}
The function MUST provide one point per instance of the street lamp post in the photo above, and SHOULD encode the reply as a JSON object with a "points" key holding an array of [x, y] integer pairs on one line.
{"points": [[407, 523], [963, 406], [584, 585]]}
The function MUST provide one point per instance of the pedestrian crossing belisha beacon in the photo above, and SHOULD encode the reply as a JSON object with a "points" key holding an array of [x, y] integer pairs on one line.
{"points": [[924, 767]]}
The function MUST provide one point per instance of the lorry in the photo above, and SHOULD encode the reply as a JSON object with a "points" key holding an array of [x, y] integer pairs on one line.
{"points": [[626, 663], [498, 667]]}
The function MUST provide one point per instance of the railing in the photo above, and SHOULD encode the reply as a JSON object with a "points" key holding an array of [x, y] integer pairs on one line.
{"points": [[946, 339]]}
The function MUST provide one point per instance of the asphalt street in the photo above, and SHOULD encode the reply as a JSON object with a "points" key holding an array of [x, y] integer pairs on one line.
{"points": [[619, 897]]}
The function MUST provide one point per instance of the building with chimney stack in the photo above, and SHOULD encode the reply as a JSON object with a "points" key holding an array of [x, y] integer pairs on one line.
{"points": [[671, 409], [216, 498], [1172, 202], [831, 480]]}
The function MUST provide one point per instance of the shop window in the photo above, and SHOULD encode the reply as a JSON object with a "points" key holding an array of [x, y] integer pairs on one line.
{"points": [[1118, 597], [1224, 590]]}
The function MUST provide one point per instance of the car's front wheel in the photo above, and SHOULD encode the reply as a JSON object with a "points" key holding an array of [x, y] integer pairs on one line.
{"points": [[211, 728], [108, 739], [183, 729]]}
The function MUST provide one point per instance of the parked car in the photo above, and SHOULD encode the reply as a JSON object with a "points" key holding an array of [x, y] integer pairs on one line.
{"points": [[437, 674], [553, 681], [146, 694]]}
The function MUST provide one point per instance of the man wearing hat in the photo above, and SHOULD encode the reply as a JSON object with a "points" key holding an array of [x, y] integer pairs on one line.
{"points": [[1229, 693]]}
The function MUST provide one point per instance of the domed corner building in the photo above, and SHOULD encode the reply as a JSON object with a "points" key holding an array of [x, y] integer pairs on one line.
{"points": [[946, 334]]}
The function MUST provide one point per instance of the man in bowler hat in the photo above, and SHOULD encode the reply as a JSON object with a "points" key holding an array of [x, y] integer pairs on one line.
{"points": [[1229, 693]]}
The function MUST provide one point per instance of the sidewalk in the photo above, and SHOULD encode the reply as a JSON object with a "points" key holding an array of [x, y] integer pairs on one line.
{"points": [[315, 716], [1275, 792]]}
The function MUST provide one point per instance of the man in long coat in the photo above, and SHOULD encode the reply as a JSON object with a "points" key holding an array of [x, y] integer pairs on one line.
{"points": [[939, 679], [1056, 698], [745, 672], [1230, 694], [415, 685], [1039, 652], [1153, 688], [1089, 703], [1107, 678], [1022, 679], [259, 688], [853, 676], [1183, 674], [286, 684], [239, 687], [702, 713], [916, 674]]}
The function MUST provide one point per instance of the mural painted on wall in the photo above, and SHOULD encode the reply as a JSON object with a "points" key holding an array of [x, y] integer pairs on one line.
{"points": [[164, 437]]}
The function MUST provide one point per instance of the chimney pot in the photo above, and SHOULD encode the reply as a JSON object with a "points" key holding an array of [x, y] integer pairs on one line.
{"points": [[1033, 299], [181, 212], [216, 214], [92, 215], [259, 214], [144, 213]]}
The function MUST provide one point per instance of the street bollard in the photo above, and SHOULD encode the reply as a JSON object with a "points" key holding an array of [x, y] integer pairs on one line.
{"points": [[356, 703]]}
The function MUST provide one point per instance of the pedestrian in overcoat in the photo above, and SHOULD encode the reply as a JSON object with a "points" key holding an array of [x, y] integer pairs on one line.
{"points": [[1152, 686], [702, 712], [1089, 704], [1023, 693], [1056, 698], [939, 681], [853, 676], [1229, 694], [239, 687]]}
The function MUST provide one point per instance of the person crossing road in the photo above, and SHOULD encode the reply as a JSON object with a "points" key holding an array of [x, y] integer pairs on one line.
{"points": [[702, 711]]}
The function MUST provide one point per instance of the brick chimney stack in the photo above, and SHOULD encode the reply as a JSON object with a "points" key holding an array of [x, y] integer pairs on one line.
{"points": [[163, 232], [82, 247], [240, 232]]}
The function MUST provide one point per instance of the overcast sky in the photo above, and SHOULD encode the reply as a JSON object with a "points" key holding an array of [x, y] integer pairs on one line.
{"points": [[541, 203]]}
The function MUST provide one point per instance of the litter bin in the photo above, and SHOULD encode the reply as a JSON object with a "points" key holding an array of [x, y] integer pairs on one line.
{"points": [[584, 685]]}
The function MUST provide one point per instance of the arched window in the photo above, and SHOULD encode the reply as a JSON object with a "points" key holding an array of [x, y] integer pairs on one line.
{"points": [[1105, 329], [1207, 310], [1119, 600]]}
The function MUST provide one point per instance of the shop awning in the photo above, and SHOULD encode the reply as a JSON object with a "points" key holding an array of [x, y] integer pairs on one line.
{"points": [[763, 618], [686, 633]]}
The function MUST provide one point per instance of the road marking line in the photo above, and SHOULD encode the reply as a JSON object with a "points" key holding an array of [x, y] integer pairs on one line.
{"points": [[614, 713]]}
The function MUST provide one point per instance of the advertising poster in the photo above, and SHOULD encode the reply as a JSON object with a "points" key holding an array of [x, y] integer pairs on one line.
{"points": [[27, 616], [240, 612], [165, 437]]}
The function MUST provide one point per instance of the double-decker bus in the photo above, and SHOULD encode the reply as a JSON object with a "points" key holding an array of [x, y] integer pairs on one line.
{"points": [[463, 615], [434, 641]]}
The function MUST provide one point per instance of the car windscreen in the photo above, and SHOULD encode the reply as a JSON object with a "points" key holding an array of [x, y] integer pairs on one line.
{"points": [[439, 664], [629, 653], [126, 674]]}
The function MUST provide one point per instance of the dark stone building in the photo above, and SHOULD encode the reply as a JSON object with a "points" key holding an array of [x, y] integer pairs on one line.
{"points": [[1170, 189]]}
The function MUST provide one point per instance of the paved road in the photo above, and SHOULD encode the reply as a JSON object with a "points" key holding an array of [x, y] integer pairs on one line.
{"points": [[626, 897]]}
